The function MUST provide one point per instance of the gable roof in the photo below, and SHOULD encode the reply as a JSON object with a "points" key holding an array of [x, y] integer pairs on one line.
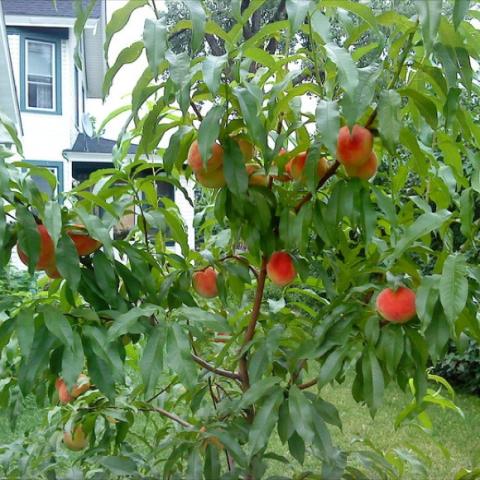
{"points": [[46, 8], [86, 144]]}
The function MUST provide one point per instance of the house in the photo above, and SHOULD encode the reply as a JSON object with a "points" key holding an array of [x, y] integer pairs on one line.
{"points": [[52, 95]]}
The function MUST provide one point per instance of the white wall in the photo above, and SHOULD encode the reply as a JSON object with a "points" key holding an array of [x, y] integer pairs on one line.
{"points": [[47, 135]]}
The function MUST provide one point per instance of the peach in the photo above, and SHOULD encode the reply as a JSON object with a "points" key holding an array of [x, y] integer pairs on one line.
{"points": [[52, 271], [213, 163], [84, 243], [76, 440], [354, 148], [248, 150], [47, 250], [396, 306], [205, 282], [296, 167], [280, 269], [365, 171], [211, 178], [63, 393], [256, 177]]}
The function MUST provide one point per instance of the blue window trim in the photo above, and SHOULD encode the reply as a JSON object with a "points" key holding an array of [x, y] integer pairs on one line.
{"points": [[52, 164], [41, 37]]}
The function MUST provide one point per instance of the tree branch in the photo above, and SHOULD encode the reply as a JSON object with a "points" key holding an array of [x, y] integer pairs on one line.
{"points": [[330, 172], [279, 15], [196, 110], [213, 369], [304, 386], [214, 45], [250, 332], [169, 415]]}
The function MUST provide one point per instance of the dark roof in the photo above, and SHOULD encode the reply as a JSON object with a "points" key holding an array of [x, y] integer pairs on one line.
{"points": [[85, 144], [46, 8]]}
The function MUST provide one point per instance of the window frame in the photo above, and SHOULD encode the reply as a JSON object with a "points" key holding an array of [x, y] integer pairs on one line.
{"points": [[53, 164], [26, 37], [53, 45]]}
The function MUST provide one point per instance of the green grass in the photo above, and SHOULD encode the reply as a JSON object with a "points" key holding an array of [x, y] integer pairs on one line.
{"points": [[461, 437]]}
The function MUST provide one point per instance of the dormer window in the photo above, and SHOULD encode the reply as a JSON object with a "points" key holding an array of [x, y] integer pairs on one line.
{"points": [[40, 75]]}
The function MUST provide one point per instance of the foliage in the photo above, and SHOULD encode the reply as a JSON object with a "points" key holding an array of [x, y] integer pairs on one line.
{"points": [[460, 366], [127, 313]]}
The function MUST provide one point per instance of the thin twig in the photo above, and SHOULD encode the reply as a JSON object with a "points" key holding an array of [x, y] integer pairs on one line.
{"points": [[163, 390], [250, 332], [196, 110], [213, 369], [241, 260], [310, 383], [169, 415], [330, 172]]}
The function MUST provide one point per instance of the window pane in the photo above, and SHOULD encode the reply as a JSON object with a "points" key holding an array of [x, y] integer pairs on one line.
{"points": [[40, 75], [42, 184], [40, 59]]}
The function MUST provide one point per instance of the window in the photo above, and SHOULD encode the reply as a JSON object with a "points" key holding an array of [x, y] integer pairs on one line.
{"points": [[56, 168], [40, 75]]}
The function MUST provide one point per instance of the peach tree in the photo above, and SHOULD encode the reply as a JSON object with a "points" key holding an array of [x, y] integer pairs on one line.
{"points": [[334, 153]]}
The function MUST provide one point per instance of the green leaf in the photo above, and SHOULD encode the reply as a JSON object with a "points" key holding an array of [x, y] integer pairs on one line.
{"points": [[330, 367], [155, 40], [389, 123], [296, 12], [151, 364], [36, 361], [96, 229], [426, 298], [260, 56], [126, 321], [460, 8], [249, 106], [234, 167], [359, 9], [25, 329], [28, 236], [232, 446], [12, 131], [127, 55], [179, 357], [212, 68], [425, 106], [209, 131], [429, 13], [178, 147], [119, 19], [320, 25], [390, 347], [328, 123], [467, 212], [119, 465], [57, 323], [265, 419], [66, 259], [423, 225], [82, 14], [373, 382], [99, 369], [198, 18], [212, 468], [257, 391], [454, 286], [73, 361], [53, 220], [347, 70], [300, 413], [105, 277]]}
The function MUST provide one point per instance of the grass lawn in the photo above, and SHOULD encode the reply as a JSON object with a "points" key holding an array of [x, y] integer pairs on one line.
{"points": [[460, 437]]}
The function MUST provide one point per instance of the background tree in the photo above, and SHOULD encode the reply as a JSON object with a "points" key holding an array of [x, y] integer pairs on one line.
{"points": [[189, 337]]}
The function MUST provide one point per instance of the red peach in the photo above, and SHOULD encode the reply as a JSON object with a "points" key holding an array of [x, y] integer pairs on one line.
{"points": [[365, 171], [47, 250], [211, 178], [396, 306], [82, 385], [354, 148], [213, 163], [296, 167], [84, 243], [63, 394], [205, 282], [280, 269], [76, 440]]}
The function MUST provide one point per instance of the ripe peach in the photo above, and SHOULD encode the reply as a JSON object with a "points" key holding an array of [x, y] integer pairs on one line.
{"points": [[211, 178], [256, 177], [248, 150], [76, 440], [47, 250], [205, 282], [365, 171], [52, 271], [396, 306], [63, 393], [280, 269], [354, 148], [296, 167], [213, 163], [84, 243]]}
